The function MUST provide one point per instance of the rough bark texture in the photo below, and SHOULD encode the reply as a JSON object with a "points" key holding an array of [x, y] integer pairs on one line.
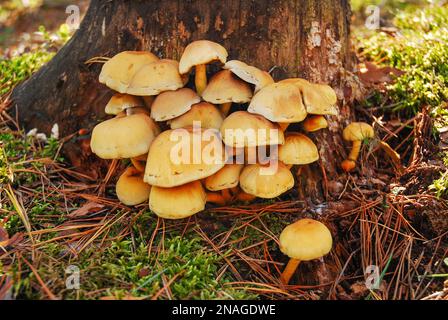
{"points": [[295, 38]]}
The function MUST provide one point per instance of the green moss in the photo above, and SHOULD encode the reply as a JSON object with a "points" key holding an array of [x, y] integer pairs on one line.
{"points": [[420, 49], [440, 186], [122, 269], [17, 69]]}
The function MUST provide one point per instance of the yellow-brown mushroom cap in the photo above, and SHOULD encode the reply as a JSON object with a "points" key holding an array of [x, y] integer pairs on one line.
{"points": [[264, 182], [178, 202], [279, 102], [180, 156], [154, 78], [131, 189], [250, 74], [318, 98], [124, 137], [204, 113], [305, 240], [118, 72], [226, 178], [315, 123], [358, 131], [171, 104], [225, 87], [120, 102], [298, 149], [201, 52], [243, 129]]}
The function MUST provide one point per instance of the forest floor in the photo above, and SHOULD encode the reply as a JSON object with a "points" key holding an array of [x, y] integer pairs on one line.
{"points": [[55, 221]]}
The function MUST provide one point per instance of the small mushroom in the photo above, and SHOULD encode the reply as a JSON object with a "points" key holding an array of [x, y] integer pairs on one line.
{"points": [[120, 102], [318, 98], [198, 54], [355, 132], [250, 74], [118, 71], [279, 102], [263, 182], [181, 156], [178, 202], [172, 104], [298, 149], [303, 240], [315, 123], [224, 180], [224, 89], [113, 139], [243, 129], [130, 188], [205, 113], [154, 78]]}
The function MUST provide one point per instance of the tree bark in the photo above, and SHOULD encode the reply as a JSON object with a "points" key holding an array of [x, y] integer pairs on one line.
{"points": [[293, 38]]}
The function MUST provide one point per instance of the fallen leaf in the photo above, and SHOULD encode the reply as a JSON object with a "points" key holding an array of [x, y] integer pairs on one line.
{"points": [[371, 74], [89, 207]]}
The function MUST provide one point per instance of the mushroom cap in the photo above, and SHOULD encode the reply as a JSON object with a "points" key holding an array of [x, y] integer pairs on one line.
{"points": [[118, 72], [171, 104], [358, 131], [243, 129], [305, 240], [262, 182], [130, 188], [279, 102], [120, 102], [124, 137], [180, 156], [314, 123], [154, 78], [136, 110], [178, 202], [207, 114], [298, 149], [225, 87], [318, 98], [250, 74], [201, 52], [226, 178]]}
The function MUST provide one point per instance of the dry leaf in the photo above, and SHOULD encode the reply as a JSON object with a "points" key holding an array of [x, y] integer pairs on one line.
{"points": [[371, 74], [89, 207]]}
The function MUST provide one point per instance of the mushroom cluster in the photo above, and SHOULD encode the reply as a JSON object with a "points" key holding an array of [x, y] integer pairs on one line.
{"points": [[217, 139]]}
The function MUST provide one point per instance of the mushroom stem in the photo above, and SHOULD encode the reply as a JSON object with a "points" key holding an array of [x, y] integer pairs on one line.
{"points": [[348, 165], [226, 195], [354, 153], [289, 270], [216, 198], [138, 164], [283, 126], [235, 191], [225, 108], [148, 101], [201, 78], [243, 196]]}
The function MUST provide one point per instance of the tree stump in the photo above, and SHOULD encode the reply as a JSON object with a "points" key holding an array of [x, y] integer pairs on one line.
{"points": [[292, 38]]}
